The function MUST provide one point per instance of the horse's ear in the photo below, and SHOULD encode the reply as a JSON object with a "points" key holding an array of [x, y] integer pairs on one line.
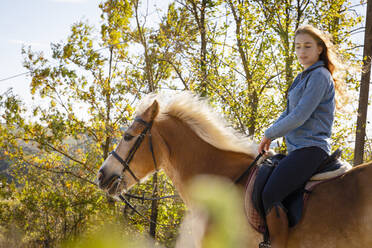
{"points": [[153, 110]]}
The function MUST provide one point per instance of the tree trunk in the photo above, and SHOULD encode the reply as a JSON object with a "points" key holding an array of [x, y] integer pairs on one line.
{"points": [[199, 14], [148, 63], [364, 89], [106, 146], [253, 96], [149, 75], [203, 49], [154, 205]]}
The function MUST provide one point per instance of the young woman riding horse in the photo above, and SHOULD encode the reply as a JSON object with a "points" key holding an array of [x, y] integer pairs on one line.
{"points": [[182, 135], [306, 125]]}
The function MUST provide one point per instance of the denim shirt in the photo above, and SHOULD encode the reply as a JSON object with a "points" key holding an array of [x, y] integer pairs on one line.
{"points": [[308, 117]]}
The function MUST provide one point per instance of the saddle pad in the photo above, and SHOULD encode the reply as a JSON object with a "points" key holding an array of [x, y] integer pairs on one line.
{"points": [[254, 218], [343, 167]]}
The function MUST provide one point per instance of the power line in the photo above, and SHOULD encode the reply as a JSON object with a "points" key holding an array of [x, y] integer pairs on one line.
{"points": [[97, 50], [18, 75]]}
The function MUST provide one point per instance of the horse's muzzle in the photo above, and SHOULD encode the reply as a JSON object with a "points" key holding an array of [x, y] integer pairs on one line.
{"points": [[108, 183]]}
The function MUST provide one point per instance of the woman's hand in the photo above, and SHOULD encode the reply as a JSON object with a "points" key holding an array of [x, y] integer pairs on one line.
{"points": [[264, 145]]}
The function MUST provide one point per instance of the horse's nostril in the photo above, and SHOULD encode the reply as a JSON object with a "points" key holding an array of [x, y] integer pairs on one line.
{"points": [[101, 175]]}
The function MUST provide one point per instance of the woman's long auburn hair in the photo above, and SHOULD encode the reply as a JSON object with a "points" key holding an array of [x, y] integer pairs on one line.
{"points": [[331, 61]]}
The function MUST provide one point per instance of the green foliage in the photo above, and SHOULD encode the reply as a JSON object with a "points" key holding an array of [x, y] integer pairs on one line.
{"points": [[239, 54], [109, 236], [221, 202]]}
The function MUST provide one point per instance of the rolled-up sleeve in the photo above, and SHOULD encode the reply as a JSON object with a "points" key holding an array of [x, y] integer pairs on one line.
{"points": [[316, 87]]}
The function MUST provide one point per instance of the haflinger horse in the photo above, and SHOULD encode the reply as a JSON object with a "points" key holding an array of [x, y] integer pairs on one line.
{"points": [[183, 136]]}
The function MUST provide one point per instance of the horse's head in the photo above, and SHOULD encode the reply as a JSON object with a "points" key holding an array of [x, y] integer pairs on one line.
{"points": [[132, 159]]}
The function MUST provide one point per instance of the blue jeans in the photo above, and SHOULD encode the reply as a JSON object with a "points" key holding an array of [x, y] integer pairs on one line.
{"points": [[291, 174]]}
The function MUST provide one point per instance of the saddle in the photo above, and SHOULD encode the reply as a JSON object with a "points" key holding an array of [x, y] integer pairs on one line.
{"points": [[330, 169]]}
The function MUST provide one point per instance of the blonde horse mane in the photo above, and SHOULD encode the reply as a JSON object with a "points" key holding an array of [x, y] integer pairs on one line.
{"points": [[201, 118]]}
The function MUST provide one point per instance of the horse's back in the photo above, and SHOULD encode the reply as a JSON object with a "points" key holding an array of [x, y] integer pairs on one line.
{"points": [[338, 213]]}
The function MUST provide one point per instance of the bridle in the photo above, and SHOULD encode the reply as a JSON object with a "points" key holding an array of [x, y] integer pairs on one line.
{"points": [[126, 162], [135, 147], [132, 151]]}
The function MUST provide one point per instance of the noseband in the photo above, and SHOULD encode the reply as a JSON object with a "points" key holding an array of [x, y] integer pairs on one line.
{"points": [[134, 148]]}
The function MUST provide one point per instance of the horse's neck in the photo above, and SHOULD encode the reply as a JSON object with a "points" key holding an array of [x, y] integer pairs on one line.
{"points": [[191, 156]]}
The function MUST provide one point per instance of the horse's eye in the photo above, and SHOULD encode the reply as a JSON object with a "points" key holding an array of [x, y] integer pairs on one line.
{"points": [[128, 137]]}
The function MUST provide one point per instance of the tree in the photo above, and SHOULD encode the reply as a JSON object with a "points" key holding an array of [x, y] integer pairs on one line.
{"points": [[239, 54], [364, 89], [67, 147]]}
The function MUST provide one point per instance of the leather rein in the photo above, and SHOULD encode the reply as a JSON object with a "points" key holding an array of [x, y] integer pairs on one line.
{"points": [[248, 170]]}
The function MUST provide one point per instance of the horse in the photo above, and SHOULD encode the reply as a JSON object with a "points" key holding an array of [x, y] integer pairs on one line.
{"points": [[183, 136]]}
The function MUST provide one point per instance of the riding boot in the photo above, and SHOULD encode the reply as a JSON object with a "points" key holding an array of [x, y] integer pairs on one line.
{"points": [[277, 223]]}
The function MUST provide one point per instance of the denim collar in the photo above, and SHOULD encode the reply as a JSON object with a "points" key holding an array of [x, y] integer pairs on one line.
{"points": [[300, 76], [317, 64]]}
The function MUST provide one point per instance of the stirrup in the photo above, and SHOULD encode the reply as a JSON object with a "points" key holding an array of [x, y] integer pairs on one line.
{"points": [[264, 244]]}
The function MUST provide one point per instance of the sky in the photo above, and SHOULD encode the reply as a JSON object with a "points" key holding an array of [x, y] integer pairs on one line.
{"points": [[38, 23]]}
